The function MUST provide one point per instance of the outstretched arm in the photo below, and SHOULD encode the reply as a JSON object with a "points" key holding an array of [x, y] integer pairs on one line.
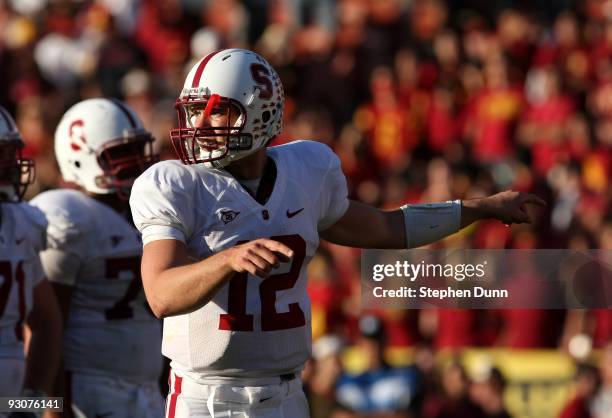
{"points": [[365, 226]]}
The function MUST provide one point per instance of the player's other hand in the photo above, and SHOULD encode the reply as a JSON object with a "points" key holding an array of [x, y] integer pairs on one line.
{"points": [[258, 257], [510, 206]]}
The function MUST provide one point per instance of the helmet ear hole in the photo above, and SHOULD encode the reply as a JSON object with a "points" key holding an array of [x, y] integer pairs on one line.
{"points": [[265, 116], [77, 164]]}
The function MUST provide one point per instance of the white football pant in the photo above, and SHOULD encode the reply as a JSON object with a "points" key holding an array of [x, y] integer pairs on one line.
{"points": [[188, 399], [106, 397]]}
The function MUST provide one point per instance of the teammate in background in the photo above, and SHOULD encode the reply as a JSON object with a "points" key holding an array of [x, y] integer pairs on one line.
{"points": [[93, 258], [237, 320], [26, 297]]}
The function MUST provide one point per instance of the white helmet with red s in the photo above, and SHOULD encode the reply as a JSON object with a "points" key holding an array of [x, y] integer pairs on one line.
{"points": [[101, 145], [16, 172], [244, 86]]}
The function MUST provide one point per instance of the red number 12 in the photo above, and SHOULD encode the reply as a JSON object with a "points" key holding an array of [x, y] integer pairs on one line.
{"points": [[236, 318]]}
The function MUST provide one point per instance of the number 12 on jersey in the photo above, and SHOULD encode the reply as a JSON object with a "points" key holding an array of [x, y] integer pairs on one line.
{"points": [[237, 319]]}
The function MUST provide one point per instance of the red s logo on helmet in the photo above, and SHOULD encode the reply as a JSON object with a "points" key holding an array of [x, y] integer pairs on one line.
{"points": [[261, 75], [76, 133]]}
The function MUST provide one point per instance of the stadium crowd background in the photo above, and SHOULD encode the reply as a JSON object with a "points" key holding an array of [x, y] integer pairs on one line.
{"points": [[423, 100]]}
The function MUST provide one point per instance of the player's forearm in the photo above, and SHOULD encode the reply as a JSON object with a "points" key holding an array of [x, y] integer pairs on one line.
{"points": [[412, 226], [431, 222], [382, 230], [59, 390], [183, 289], [43, 357], [365, 226]]}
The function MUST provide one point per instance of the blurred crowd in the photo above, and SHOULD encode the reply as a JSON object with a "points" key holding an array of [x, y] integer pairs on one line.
{"points": [[423, 100]]}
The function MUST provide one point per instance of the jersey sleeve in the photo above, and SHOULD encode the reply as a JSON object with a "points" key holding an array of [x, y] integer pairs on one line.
{"points": [[162, 204], [68, 222], [38, 272], [67, 233], [60, 266], [334, 194], [34, 225]]}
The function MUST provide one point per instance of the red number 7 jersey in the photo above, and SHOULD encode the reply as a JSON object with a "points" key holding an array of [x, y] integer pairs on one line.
{"points": [[110, 329], [252, 327]]}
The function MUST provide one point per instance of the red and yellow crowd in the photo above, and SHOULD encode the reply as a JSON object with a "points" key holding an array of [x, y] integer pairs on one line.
{"points": [[423, 100]]}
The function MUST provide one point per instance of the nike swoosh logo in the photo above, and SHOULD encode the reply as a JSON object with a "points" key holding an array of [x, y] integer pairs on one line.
{"points": [[264, 399], [292, 214]]}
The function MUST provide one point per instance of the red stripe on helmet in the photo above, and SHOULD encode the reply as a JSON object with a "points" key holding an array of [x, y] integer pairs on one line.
{"points": [[200, 70]]}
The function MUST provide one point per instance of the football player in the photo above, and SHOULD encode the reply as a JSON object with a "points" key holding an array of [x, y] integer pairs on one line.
{"points": [[237, 319], [93, 261], [26, 297]]}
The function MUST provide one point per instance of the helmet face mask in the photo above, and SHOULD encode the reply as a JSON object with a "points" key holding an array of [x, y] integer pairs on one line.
{"points": [[210, 128], [102, 147], [16, 172], [230, 107], [123, 160]]}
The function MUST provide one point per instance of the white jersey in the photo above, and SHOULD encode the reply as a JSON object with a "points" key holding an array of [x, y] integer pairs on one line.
{"points": [[252, 327], [22, 236], [110, 330]]}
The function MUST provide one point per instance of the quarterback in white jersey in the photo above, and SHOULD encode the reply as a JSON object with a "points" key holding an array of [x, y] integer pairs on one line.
{"points": [[229, 232], [210, 211], [93, 260], [26, 298]]}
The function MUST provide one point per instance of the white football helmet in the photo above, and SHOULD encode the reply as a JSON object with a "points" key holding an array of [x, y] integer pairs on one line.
{"points": [[16, 172], [101, 145], [240, 84]]}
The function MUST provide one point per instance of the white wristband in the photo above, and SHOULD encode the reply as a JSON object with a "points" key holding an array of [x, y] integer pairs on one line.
{"points": [[430, 222]]}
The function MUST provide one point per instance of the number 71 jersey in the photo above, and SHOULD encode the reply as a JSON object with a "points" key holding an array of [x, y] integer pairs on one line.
{"points": [[22, 236], [252, 327], [110, 330]]}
